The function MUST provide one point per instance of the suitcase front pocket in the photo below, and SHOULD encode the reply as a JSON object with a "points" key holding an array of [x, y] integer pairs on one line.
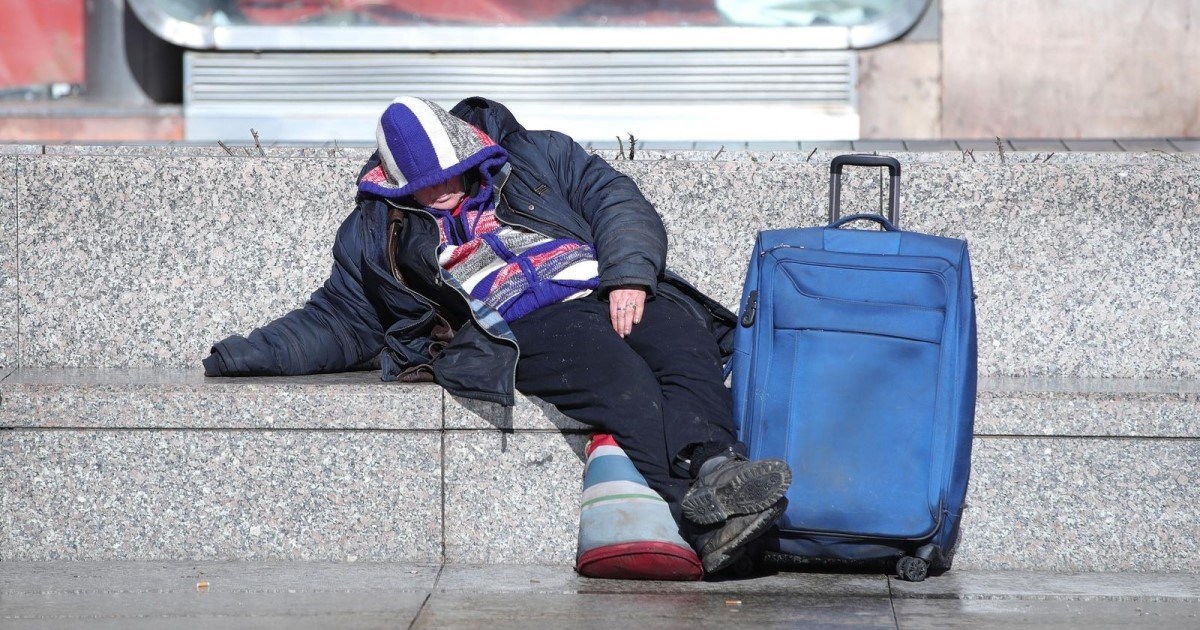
{"points": [[904, 304], [861, 414], [850, 394]]}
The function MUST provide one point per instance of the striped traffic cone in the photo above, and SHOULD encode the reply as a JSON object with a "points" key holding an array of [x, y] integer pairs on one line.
{"points": [[625, 529]]}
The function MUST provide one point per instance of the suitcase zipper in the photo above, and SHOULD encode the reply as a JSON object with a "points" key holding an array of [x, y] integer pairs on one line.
{"points": [[919, 270], [949, 262], [751, 309]]}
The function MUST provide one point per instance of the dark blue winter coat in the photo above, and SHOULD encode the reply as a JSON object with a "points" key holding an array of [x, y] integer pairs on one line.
{"points": [[378, 305]]}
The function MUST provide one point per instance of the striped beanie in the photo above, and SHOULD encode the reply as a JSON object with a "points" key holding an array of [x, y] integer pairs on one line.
{"points": [[421, 144]]}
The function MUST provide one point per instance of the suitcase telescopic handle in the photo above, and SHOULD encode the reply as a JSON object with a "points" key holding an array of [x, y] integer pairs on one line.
{"points": [[864, 159]]}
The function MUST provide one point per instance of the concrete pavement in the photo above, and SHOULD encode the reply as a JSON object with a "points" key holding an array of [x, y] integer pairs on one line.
{"points": [[383, 595]]}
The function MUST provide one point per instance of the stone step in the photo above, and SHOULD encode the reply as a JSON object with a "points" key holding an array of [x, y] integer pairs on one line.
{"points": [[135, 465], [119, 266], [184, 399]]}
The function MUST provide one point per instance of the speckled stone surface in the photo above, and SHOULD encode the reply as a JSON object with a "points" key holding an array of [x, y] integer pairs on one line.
{"points": [[189, 249], [144, 399], [1096, 255], [1087, 407], [1081, 270], [164, 494], [1088, 346], [985, 154], [140, 261], [1073, 504], [8, 262], [528, 414], [240, 150], [713, 210], [989, 156], [512, 498], [20, 149]]}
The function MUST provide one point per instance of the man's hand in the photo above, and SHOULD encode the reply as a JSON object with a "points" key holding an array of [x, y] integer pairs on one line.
{"points": [[625, 306]]}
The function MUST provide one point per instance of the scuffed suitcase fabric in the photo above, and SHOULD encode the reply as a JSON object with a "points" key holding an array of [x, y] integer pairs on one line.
{"points": [[626, 530], [855, 361]]}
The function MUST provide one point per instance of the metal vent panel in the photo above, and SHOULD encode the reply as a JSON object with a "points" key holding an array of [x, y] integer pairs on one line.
{"points": [[730, 76], [310, 87]]}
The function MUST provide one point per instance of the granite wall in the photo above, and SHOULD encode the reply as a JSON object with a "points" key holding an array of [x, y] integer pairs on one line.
{"points": [[1082, 268], [8, 263], [132, 261]]}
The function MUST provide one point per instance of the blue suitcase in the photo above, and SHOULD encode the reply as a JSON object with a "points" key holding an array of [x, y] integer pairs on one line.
{"points": [[855, 361]]}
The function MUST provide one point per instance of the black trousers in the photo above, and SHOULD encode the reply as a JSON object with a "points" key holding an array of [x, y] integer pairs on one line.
{"points": [[659, 391]]}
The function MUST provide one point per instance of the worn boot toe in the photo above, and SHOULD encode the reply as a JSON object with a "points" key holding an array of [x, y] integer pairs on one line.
{"points": [[722, 547], [734, 487]]}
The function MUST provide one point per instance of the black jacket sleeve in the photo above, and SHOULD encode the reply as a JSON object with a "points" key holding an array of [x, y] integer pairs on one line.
{"points": [[336, 330], [628, 233]]}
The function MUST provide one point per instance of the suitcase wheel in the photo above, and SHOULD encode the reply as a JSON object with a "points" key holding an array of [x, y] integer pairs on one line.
{"points": [[912, 569]]}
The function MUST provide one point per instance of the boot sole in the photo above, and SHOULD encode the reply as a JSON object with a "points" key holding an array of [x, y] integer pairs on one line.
{"points": [[753, 490], [725, 555]]}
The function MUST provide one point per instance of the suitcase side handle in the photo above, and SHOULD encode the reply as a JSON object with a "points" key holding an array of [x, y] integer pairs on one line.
{"points": [[864, 159]]}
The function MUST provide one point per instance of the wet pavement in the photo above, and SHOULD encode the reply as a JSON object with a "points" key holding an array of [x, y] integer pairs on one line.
{"points": [[381, 595]]}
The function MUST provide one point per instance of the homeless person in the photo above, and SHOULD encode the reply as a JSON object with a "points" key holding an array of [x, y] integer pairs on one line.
{"points": [[489, 258]]}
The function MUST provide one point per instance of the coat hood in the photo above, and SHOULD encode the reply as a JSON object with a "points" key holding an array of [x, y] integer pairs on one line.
{"points": [[420, 145], [493, 118]]}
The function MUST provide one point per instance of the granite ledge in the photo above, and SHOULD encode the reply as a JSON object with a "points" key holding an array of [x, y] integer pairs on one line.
{"points": [[1041, 384], [161, 399], [192, 377], [154, 399], [723, 152], [1099, 408], [21, 149]]}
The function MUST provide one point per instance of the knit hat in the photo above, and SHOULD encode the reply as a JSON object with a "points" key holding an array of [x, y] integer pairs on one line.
{"points": [[421, 144]]}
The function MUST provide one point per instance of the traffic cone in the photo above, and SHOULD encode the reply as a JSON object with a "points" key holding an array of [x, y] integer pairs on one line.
{"points": [[625, 529]]}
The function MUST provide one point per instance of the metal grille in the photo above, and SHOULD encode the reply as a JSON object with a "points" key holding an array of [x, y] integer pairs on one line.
{"points": [[247, 85], [729, 76]]}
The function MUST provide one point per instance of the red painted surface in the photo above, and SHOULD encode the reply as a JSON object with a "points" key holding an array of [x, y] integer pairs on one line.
{"points": [[483, 12], [41, 41]]}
